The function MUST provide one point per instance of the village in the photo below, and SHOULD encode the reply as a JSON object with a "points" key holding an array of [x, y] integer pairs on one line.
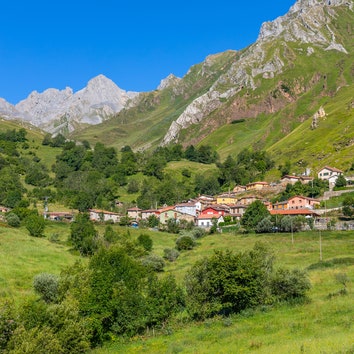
{"points": [[205, 211]]}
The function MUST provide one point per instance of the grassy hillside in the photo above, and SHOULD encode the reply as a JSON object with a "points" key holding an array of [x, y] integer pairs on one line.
{"points": [[22, 257], [323, 325], [331, 143]]}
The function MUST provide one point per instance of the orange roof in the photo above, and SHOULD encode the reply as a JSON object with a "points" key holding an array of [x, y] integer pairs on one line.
{"points": [[294, 212]]}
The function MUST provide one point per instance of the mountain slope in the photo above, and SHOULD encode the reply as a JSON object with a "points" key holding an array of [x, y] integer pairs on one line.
{"points": [[300, 62]]}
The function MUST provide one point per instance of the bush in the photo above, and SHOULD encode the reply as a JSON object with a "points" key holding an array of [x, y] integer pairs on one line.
{"points": [[198, 232], [185, 242], [8, 324], [13, 220], [145, 241], [170, 254], [35, 340], [287, 285], [226, 283], [154, 262], [46, 285], [265, 225], [35, 225]]}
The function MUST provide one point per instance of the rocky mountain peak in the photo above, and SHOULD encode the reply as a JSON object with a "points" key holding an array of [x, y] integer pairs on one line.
{"points": [[60, 110], [170, 80]]}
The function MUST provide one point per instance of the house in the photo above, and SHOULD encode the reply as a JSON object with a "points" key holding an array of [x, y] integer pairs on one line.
{"points": [[134, 213], [237, 210], [280, 205], [239, 189], [306, 179], [171, 213], [206, 221], [228, 198], [166, 213], [104, 215], [187, 208], [329, 174], [4, 209], [289, 179], [247, 200], [295, 212], [215, 210], [146, 213], [300, 202], [257, 186]]}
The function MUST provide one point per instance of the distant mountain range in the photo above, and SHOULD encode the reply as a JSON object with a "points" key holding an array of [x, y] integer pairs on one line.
{"points": [[300, 65], [63, 111]]}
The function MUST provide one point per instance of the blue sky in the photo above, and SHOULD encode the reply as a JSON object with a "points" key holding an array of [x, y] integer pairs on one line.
{"points": [[45, 44]]}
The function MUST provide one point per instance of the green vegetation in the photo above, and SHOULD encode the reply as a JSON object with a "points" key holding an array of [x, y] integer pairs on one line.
{"points": [[291, 259]]}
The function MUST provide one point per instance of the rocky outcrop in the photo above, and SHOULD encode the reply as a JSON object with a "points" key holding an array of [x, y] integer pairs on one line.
{"points": [[170, 80], [316, 117], [62, 110]]}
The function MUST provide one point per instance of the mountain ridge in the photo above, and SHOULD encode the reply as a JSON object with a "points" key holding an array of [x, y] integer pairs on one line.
{"points": [[61, 111]]}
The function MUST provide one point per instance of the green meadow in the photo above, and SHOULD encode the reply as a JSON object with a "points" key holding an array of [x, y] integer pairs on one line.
{"points": [[323, 325]]}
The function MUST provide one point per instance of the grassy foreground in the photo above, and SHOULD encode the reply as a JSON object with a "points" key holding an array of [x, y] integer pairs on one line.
{"points": [[324, 325]]}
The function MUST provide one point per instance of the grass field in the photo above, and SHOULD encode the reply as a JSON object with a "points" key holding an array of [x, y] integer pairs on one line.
{"points": [[324, 325]]}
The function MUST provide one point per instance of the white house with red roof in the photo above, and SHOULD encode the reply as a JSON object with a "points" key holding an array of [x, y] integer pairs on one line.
{"points": [[207, 220], [329, 174], [134, 213]]}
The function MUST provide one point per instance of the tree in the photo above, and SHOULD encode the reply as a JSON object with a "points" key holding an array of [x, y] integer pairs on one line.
{"points": [[226, 283], [83, 235], [35, 225], [340, 181], [145, 241], [265, 225], [254, 214], [348, 206]]}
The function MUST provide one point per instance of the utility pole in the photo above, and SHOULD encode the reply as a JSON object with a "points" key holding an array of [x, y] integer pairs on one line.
{"points": [[320, 246]]}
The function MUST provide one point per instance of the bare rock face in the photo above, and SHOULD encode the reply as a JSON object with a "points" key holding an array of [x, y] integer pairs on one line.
{"points": [[170, 80], [316, 117], [307, 22], [61, 110]]}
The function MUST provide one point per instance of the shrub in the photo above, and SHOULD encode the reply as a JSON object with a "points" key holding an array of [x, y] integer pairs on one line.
{"points": [[35, 340], [154, 262], [170, 254], [35, 225], [185, 242], [145, 241], [13, 220], [265, 225], [288, 285], [226, 283], [8, 324], [198, 232], [46, 285]]}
